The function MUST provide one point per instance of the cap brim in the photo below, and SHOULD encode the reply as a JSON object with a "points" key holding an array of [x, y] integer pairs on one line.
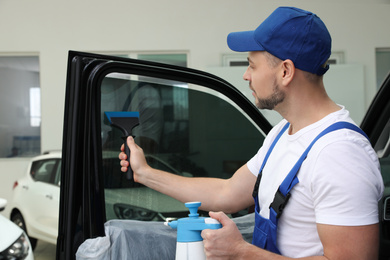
{"points": [[243, 41]]}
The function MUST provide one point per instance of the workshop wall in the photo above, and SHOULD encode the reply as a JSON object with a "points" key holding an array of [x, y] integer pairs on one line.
{"points": [[51, 28]]}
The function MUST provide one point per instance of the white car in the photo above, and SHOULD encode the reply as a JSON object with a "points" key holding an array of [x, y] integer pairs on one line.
{"points": [[14, 243], [35, 203]]}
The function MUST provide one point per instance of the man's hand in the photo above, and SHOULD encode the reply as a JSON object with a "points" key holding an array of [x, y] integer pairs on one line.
{"points": [[223, 243], [137, 159]]}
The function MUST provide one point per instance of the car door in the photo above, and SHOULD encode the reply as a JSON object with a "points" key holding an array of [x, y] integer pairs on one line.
{"points": [[376, 124], [207, 128], [191, 123]]}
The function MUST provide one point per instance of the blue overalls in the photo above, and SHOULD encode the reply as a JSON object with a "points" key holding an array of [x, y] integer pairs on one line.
{"points": [[264, 235]]}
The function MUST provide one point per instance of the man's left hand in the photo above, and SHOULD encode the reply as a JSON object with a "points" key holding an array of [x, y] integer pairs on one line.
{"points": [[223, 243]]}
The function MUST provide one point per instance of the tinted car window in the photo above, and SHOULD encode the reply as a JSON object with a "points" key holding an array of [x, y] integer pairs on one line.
{"points": [[44, 170], [382, 147], [57, 176], [185, 129]]}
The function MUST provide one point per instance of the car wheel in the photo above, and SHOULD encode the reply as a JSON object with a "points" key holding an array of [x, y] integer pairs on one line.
{"points": [[19, 221]]}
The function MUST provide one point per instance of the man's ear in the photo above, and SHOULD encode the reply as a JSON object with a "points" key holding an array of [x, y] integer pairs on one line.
{"points": [[288, 71]]}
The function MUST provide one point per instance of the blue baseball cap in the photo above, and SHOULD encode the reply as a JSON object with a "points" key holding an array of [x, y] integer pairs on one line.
{"points": [[289, 33]]}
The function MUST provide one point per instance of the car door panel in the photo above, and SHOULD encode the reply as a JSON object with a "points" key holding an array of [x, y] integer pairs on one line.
{"points": [[376, 124]]}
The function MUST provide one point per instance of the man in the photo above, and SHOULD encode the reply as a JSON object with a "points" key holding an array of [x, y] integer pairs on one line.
{"points": [[332, 211]]}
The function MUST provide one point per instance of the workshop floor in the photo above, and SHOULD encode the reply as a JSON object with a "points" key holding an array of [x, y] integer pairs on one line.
{"points": [[45, 251]]}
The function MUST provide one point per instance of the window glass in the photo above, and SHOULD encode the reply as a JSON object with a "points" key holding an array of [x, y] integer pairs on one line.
{"points": [[20, 106], [385, 168], [43, 170], [382, 148], [382, 62], [179, 59], [57, 177], [185, 129]]}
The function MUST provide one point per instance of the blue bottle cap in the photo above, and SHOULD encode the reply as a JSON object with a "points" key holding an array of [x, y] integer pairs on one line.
{"points": [[189, 229]]}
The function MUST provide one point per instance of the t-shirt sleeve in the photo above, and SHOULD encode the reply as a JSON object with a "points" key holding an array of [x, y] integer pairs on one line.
{"points": [[255, 162]]}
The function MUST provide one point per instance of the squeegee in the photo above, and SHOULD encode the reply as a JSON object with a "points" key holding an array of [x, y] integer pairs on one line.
{"points": [[125, 121]]}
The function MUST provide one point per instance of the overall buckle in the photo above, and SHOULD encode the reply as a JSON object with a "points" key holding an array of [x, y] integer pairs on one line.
{"points": [[279, 202]]}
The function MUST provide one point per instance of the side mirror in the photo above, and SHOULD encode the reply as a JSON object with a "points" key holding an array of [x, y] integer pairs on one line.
{"points": [[3, 203]]}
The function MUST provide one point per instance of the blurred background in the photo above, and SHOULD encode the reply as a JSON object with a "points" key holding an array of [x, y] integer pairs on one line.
{"points": [[37, 35]]}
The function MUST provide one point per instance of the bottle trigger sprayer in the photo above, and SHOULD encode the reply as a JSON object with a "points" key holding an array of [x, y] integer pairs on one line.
{"points": [[189, 242]]}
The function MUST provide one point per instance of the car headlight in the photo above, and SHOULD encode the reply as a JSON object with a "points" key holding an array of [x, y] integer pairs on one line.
{"points": [[125, 211], [18, 250]]}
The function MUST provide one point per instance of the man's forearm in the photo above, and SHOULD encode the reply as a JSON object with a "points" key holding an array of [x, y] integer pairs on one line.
{"points": [[185, 189]]}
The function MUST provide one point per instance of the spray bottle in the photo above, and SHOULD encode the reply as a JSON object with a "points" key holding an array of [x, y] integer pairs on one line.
{"points": [[189, 244]]}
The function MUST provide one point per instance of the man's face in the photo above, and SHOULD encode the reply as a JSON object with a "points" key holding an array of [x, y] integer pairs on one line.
{"points": [[262, 81]]}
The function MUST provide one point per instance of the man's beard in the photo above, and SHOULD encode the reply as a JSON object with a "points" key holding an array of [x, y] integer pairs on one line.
{"points": [[271, 102]]}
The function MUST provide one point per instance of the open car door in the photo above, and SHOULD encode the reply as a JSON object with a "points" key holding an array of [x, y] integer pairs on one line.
{"points": [[376, 124], [191, 123]]}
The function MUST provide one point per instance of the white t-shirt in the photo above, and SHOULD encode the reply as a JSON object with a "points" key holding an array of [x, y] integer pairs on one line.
{"points": [[339, 182]]}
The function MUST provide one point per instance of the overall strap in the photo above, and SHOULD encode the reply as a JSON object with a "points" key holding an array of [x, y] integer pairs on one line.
{"points": [[256, 188], [283, 193]]}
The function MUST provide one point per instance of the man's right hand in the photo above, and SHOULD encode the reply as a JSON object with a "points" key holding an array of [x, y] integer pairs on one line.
{"points": [[137, 159]]}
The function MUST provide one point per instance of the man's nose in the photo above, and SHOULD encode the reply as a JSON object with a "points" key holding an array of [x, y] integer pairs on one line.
{"points": [[246, 75]]}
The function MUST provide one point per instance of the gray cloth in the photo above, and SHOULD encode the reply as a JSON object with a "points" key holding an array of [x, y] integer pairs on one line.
{"points": [[246, 225], [130, 239]]}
